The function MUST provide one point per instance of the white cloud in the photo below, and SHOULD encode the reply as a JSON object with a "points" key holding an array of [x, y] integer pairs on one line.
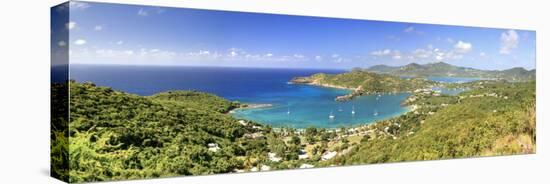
{"points": [[408, 29], [439, 56], [80, 42], [70, 25], [428, 54], [335, 55], [381, 52], [299, 56], [235, 53], [422, 53], [84, 54], [318, 58], [61, 43], [395, 54], [463, 47], [450, 40], [142, 12], [120, 42], [508, 41], [482, 54], [75, 5], [397, 57], [98, 28]]}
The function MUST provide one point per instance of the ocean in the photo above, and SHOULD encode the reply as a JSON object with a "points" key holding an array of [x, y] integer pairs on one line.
{"points": [[293, 105]]}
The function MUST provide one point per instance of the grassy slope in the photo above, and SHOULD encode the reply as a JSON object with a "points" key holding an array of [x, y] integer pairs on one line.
{"points": [[473, 126]]}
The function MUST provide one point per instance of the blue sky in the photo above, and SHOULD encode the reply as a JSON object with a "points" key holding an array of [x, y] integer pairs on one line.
{"points": [[146, 35]]}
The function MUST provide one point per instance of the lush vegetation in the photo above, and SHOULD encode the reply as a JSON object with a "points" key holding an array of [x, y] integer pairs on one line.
{"points": [[203, 101], [365, 82], [496, 118], [444, 69], [59, 132], [115, 135]]}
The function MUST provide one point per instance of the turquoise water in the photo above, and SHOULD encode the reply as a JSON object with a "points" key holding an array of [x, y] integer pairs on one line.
{"points": [[308, 105], [450, 91], [453, 79]]}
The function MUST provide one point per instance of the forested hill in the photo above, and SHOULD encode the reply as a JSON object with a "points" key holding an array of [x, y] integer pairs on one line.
{"points": [[445, 69], [115, 135], [369, 82]]}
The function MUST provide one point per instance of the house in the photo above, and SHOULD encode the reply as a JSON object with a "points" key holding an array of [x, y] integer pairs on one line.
{"points": [[265, 168], [303, 154], [273, 157], [328, 155], [243, 123], [213, 147]]}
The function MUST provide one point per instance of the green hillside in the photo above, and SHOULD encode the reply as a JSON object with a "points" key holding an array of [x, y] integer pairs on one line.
{"points": [[445, 69], [368, 82], [115, 135], [496, 118]]}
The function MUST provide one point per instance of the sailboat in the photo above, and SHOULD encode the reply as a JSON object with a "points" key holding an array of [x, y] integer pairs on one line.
{"points": [[353, 109], [288, 111], [331, 116], [375, 113], [340, 109]]}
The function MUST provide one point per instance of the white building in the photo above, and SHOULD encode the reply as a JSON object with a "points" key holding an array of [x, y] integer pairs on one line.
{"points": [[328, 155], [305, 166]]}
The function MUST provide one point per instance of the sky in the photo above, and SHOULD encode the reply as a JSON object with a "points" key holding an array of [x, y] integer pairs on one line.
{"points": [[145, 35]]}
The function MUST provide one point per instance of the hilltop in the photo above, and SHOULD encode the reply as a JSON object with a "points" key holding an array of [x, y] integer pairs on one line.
{"points": [[364, 82], [448, 70], [116, 135]]}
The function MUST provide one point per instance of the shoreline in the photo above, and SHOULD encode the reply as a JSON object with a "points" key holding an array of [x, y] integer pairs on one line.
{"points": [[250, 106], [408, 109], [354, 92]]}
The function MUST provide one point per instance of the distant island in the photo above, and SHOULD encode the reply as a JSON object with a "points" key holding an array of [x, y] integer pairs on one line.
{"points": [[444, 69]]}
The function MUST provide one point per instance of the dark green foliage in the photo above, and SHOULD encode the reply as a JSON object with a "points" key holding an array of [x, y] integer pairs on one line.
{"points": [[59, 131], [115, 135], [196, 99]]}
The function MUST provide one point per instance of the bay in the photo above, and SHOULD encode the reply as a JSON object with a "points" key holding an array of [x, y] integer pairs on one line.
{"points": [[292, 105]]}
